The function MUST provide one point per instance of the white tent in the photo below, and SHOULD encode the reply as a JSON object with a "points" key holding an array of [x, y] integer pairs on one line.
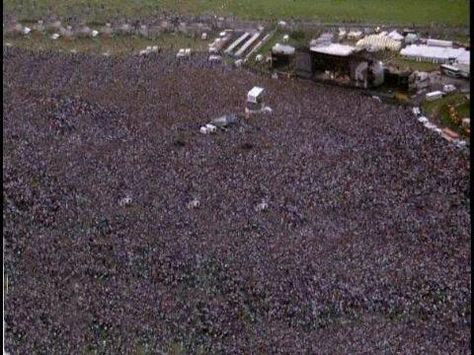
{"points": [[464, 58], [463, 63], [433, 54], [379, 42], [354, 34], [395, 35], [334, 49]]}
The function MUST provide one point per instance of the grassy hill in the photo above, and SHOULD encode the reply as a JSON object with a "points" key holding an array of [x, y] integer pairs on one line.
{"points": [[402, 12]]}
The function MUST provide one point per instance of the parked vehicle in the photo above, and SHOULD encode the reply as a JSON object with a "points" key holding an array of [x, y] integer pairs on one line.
{"points": [[450, 70]]}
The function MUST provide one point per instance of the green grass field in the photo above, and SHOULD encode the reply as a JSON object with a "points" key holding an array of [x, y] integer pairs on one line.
{"points": [[438, 109], [412, 65], [401, 12]]}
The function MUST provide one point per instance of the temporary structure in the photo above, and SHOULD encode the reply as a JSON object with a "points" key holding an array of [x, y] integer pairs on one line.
{"points": [[323, 40], [354, 34], [439, 43], [395, 35], [411, 38], [283, 49], [342, 33], [464, 58], [462, 62], [334, 49], [379, 42], [433, 54]]}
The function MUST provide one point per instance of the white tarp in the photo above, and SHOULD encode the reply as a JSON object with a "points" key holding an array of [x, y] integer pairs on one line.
{"points": [[334, 49]]}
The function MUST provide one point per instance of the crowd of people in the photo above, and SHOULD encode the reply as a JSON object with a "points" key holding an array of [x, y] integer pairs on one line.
{"points": [[363, 244]]}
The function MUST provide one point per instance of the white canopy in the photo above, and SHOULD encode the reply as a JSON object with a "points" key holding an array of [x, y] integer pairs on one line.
{"points": [[464, 58], [395, 35], [379, 42], [334, 49], [438, 53]]}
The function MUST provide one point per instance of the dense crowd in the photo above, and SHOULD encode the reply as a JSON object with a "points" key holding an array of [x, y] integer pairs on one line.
{"points": [[363, 245]]}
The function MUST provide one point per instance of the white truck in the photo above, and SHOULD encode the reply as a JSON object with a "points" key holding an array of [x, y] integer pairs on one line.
{"points": [[434, 95]]}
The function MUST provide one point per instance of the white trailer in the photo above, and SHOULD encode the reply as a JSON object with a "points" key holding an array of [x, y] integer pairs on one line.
{"points": [[439, 43], [434, 95]]}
